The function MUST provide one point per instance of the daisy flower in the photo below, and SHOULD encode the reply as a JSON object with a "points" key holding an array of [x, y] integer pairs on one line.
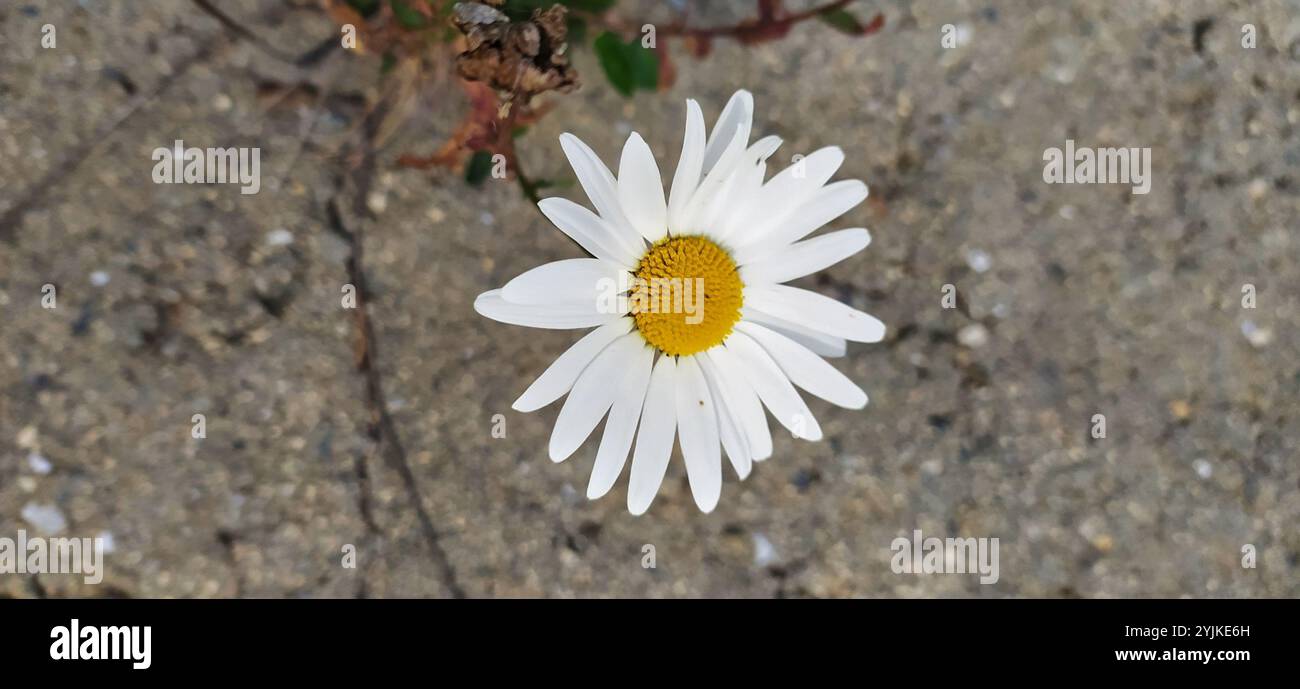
{"points": [[694, 332]]}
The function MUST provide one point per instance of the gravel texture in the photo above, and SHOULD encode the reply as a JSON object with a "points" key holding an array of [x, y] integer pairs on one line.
{"points": [[176, 300]]}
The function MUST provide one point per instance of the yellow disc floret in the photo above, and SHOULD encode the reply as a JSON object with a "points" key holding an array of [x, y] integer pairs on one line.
{"points": [[686, 296]]}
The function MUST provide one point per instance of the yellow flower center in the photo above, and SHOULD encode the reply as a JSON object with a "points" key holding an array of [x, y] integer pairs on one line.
{"points": [[687, 295]]}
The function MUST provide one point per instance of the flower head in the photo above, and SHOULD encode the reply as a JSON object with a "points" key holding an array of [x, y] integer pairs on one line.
{"points": [[694, 332]]}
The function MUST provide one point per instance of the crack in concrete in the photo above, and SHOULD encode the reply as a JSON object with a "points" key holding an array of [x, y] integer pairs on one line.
{"points": [[89, 146], [382, 429]]}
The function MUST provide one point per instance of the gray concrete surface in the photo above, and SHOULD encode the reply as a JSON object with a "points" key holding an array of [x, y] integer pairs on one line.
{"points": [[1090, 300]]}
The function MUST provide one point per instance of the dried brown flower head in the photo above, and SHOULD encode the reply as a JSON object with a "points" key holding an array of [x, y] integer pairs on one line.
{"points": [[518, 59]]}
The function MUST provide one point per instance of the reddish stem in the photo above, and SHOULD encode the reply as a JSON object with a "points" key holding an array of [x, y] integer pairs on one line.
{"points": [[754, 29]]}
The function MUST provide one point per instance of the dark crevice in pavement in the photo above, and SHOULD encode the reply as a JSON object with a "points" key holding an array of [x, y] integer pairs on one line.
{"points": [[38, 589], [88, 146], [227, 540], [242, 32], [362, 473], [382, 428]]}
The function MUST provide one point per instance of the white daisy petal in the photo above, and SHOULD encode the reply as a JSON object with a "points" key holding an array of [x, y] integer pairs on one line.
{"points": [[807, 370], [806, 257], [819, 343], [748, 187], [774, 388], [597, 236], [714, 182], [762, 149], [689, 166], [621, 426], [737, 117], [697, 430], [592, 396], [601, 189], [641, 191], [738, 190], [595, 178], [705, 219], [815, 312], [654, 439], [743, 401], [570, 280], [708, 216], [829, 203], [809, 173], [559, 377], [788, 190], [564, 316], [734, 440]]}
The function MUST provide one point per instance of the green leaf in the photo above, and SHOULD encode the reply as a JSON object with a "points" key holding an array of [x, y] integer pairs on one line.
{"points": [[407, 16], [522, 10], [628, 66], [645, 66], [590, 6], [364, 7], [553, 183], [843, 20], [577, 29], [479, 167], [614, 60]]}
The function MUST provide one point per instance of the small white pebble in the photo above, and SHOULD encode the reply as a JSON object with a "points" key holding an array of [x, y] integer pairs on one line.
{"points": [[963, 34], [222, 103], [932, 467], [1203, 468], [1257, 336], [279, 237], [978, 260], [39, 464], [376, 201], [764, 551], [1258, 189], [1067, 212], [27, 437], [99, 278], [974, 335], [46, 518], [487, 218], [1064, 73], [435, 214], [106, 541]]}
